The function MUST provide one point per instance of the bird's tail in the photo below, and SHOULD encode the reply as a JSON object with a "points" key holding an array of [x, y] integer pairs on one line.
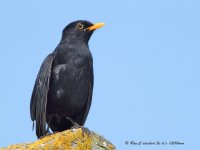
{"points": [[41, 120], [33, 126]]}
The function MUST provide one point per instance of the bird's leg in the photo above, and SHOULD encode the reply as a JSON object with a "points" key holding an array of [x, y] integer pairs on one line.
{"points": [[48, 132], [76, 126], [48, 127]]}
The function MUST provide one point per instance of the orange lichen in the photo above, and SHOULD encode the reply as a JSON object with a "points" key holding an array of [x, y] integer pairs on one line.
{"points": [[69, 139], [66, 140]]}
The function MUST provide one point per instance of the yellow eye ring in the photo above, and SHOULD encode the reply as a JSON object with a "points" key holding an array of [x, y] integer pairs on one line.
{"points": [[79, 26]]}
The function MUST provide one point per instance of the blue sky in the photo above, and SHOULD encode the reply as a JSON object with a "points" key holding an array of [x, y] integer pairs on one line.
{"points": [[146, 66]]}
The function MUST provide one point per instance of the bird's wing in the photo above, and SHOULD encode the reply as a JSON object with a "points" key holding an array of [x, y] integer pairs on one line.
{"points": [[39, 96], [89, 98]]}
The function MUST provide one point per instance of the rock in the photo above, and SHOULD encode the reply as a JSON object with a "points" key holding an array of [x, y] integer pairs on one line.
{"points": [[66, 140]]}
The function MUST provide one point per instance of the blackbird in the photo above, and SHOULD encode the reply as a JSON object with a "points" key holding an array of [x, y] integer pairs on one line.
{"points": [[62, 93]]}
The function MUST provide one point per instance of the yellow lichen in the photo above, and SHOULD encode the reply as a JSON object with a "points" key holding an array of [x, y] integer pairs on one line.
{"points": [[66, 140], [69, 139]]}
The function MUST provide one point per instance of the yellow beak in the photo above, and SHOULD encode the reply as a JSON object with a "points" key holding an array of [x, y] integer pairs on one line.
{"points": [[95, 26]]}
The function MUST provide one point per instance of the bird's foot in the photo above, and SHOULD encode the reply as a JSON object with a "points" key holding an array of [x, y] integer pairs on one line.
{"points": [[85, 131], [76, 126], [56, 132], [46, 134]]}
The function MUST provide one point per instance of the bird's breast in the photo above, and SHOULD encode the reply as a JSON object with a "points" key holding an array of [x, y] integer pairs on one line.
{"points": [[69, 85], [73, 69]]}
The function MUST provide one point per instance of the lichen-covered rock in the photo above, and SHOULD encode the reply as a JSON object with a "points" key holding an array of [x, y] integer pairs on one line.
{"points": [[70, 139]]}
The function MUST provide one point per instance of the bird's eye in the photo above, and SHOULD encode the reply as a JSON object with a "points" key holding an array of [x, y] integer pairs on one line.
{"points": [[79, 26]]}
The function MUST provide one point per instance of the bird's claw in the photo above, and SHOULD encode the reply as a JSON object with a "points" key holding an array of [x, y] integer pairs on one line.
{"points": [[76, 126], [85, 131]]}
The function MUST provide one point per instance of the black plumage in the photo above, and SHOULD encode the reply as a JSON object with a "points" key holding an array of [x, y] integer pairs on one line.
{"points": [[64, 84]]}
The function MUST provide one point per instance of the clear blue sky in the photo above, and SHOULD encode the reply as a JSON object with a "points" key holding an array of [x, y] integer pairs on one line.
{"points": [[146, 65]]}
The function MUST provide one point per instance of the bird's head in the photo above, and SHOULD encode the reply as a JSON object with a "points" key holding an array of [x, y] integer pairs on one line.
{"points": [[79, 30]]}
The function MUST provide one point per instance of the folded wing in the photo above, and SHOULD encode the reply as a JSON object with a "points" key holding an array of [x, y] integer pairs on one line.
{"points": [[39, 96]]}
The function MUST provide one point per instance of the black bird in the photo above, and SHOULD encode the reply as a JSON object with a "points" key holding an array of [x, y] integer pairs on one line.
{"points": [[63, 88]]}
